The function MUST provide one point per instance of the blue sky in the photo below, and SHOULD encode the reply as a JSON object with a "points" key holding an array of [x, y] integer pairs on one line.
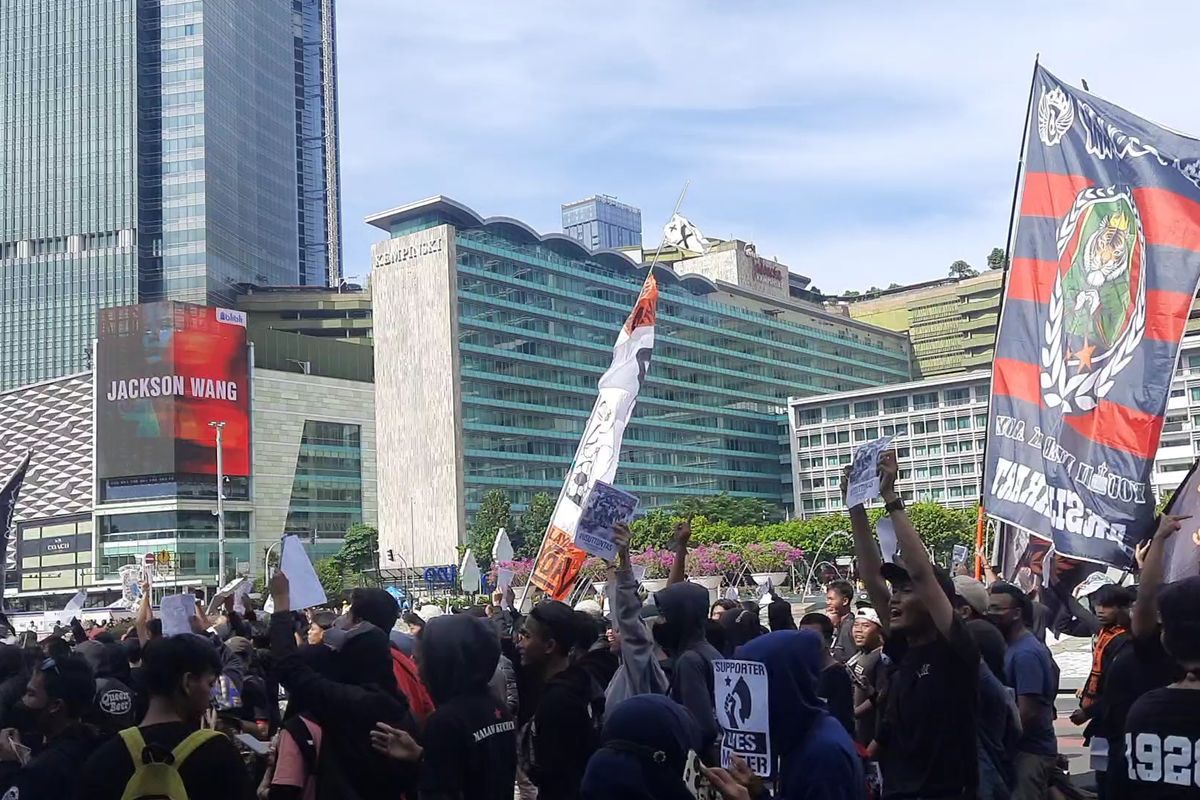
{"points": [[861, 144]]}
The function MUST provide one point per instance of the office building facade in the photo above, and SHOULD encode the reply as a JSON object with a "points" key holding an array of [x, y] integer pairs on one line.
{"points": [[313, 474], [602, 223], [342, 313], [489, 340], [152, 150], [941, 424]]}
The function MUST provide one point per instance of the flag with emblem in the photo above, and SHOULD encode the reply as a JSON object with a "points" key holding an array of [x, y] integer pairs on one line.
{"points": [[681, 233], [1104, 265], [559, 560]]}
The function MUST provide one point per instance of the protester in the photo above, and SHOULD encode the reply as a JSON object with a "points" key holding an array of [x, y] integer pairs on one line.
{"points": [[1164, 723], [680, 633], [380, 609], [817, 758], [319, 622], [114, 707], [720, 607], [779, 615], [739, 626], [926, 738], [868, 671], [180, 672], [639, 671], [839, 599], [414, 622], [49, 720], [14, 675], [469, 743], [834, 685], [971, 604], [1029, 670], [561, 724], [347, 707]]}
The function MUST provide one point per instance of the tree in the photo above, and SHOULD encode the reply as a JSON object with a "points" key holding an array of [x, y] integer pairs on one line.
{"points": [[495, 512], [726, 508], [533, 525], [996, 259], [895, 286], [961, 269], [332, 577], [850, 293], [359, 548]]}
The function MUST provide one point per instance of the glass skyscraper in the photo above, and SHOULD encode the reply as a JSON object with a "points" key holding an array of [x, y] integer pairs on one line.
{"points": [[601, 223], [157, 149]]}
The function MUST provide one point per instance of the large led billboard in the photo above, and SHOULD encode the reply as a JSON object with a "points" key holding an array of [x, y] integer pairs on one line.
{"points": [[164, 371]]}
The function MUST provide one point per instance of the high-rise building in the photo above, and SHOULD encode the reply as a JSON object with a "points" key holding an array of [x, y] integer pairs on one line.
{"points": [[952, 323], [157, 149], [490, 338], [601, 223]]}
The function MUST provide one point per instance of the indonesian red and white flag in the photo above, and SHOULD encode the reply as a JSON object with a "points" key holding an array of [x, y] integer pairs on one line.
{"points": [[599, 450]]}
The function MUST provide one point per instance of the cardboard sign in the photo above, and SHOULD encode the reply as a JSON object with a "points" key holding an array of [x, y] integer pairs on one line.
{"points": [[131, 585], [694, 781], [958, 556], [558, 566], [177, 612], [740, 700], [606, 505], [864, 472], [304, 590]]}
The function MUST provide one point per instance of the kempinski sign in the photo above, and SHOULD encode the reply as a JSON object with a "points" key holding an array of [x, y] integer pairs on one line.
{"points": [[398, 251]]}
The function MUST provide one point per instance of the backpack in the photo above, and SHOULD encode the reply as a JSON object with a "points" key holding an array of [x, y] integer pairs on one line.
{"points": [[320, 764], [155, 779]]}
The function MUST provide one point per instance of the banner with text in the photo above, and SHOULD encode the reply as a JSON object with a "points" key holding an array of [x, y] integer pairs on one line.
{"points": [[1104, 266], [559, 560]]}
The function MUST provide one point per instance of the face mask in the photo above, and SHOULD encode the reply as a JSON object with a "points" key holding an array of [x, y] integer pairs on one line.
{"points": [[1001, 621]]}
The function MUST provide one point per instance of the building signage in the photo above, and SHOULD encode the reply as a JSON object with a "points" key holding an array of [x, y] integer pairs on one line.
{"points": [[392, 252], [58, 544], [767, 272]]}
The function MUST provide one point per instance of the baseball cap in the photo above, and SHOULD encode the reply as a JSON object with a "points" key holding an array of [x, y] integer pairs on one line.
{"points": [[894, 573], [973, 592], [867, 613]]}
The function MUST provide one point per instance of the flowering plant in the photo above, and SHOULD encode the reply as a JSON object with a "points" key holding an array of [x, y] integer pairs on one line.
{"points": [[773, 557], [712, 560], [594, 569], [657, 562], [521, 569]]}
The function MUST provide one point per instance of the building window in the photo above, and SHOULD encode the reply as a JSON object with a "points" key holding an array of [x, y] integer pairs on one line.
{"points": [[925, 400], [866, 408], [957, 397], [834, 413], [810, 416], [327, 487], [895, 405]]}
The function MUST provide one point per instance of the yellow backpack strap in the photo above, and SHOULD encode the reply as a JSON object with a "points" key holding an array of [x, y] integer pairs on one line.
{"points": [[135, 744], [189, 745]]}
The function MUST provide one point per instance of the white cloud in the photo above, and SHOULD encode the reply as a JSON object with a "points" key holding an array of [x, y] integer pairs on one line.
{"points": [[864, 146]]}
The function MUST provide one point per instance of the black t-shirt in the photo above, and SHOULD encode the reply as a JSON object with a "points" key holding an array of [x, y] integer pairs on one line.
{"points": [[470, 750], [214, 771], [868, 673], [1162, 742], [1139, 668], [927, 731], [54, 772], [834, 687]]}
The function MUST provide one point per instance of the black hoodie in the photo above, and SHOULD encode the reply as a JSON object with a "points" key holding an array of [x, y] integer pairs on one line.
{"points": [[470, 739], [684, 608], [115, 706]]}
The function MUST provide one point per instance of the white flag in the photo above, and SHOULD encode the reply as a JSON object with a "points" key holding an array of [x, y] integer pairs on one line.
{"points": [[683, 234]]}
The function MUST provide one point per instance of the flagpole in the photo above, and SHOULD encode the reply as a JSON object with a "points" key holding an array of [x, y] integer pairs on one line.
{"points": [[662, 240], [1018, 190]]}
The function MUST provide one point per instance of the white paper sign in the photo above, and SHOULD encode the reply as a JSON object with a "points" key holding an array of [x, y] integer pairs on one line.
{"points": [[958, 556], [740, 699], [639, 572], [468, 574], [864, 472], [177, 612], [504, 579], [887, 538], [73, 606], [304, 590], [605, 506], [502, 549]]}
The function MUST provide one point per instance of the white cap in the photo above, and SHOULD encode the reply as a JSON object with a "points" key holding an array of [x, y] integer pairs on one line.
{"points": [[590, 606], [429, 612], [868, 613]]}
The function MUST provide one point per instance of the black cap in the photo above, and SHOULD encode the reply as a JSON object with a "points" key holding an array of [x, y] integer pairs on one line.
{"points": [[894, 573]]}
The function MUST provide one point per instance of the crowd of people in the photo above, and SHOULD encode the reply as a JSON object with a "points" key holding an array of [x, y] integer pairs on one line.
{"points": [[931, 687]]}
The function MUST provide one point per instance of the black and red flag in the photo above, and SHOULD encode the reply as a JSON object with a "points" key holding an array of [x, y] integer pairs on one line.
{"points": [[1104, 266]]}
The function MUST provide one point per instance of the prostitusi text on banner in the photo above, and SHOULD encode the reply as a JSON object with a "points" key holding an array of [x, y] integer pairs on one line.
{"points": [[599, 449], [1104, 266]]}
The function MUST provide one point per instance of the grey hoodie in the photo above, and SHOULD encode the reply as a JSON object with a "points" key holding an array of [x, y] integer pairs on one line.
{"points": [[684, 608], [639, 672]]}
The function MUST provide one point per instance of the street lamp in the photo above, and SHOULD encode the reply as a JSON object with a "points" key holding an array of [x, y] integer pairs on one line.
{"points": [[220, 512]]}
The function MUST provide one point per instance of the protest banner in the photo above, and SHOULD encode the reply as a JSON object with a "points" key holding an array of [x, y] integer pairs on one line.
{"points": [[606, 505], [1181, 556], [304, 589], [177, 612], [740, 699], [1104, 268], [864, 472], [559, 560]]}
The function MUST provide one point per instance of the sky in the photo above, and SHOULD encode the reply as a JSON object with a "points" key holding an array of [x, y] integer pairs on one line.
{"points": [[859, 143]]}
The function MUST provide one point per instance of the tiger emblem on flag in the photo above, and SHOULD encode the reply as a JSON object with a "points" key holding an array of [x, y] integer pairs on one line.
{"points": [[1097, 306]]}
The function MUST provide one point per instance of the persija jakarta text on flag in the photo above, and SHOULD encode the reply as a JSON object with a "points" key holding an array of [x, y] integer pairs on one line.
{"points": [[1105, 263], [599, 449]]}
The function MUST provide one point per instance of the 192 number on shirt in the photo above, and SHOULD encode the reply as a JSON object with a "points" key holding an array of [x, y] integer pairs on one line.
{"points": [[1162, 759]]}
